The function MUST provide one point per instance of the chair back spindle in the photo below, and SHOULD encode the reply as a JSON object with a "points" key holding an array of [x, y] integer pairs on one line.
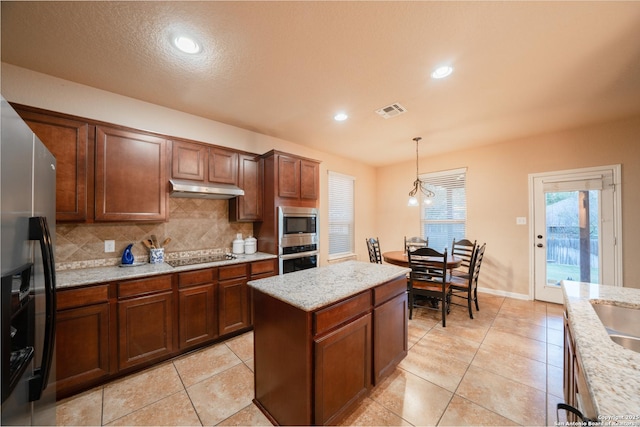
{"points": [[373, 245]]}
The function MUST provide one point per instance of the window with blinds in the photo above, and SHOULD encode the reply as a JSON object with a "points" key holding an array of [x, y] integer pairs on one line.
{"points": [[341, 214], [445, 218]]}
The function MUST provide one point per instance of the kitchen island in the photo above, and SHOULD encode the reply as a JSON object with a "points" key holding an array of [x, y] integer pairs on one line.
{"points": [[323, 337], [604, 374]]}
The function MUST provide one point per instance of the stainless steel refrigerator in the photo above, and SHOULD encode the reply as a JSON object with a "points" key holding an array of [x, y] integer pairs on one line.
{"points": [[27, 329]]}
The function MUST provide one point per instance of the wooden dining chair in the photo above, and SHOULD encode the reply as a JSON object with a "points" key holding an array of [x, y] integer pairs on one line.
{"points": [[467, 287], [465, 250], [373, 245], [413, 243], [428, 278]]}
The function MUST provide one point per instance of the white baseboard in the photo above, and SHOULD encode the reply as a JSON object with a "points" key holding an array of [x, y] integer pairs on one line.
{"points": [[504, 293]]}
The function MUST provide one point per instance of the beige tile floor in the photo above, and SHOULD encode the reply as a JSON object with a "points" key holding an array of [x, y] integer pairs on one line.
{"points": [[504, 367]]}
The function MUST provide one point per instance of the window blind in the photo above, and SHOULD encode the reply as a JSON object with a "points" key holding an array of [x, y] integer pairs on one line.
{"points": [[341, 214], [445, 218]]}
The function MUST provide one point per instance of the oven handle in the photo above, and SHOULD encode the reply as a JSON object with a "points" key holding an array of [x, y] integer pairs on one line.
{"points": [[298, 255]]}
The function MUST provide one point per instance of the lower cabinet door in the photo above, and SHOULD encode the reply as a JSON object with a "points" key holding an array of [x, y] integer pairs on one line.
{"points": [[82, 347], [198, 322], [390, 336], [145, 329], [342, 369], [233, 306]]}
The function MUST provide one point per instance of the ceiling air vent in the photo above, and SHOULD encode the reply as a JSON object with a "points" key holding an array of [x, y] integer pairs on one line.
{"points": [[391, 110]]}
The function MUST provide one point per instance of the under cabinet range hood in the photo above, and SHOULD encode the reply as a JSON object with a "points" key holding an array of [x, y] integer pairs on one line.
{"points": [[199, 190]]}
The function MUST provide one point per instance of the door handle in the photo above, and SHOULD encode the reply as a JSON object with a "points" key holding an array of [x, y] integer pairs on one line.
{"points": [[39, 230]]}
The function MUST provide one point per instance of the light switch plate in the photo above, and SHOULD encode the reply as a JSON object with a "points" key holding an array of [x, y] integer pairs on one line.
{"points": [[109, 245], [521, 220]]}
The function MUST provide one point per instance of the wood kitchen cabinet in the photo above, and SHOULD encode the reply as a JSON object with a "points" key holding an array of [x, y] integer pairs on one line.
{"points": [[233, 298], [203, 163], [289, 180], [82, 338], [223, 166], [130, 176], [188, 161], [576, 392], [197, 307], [390, 327], [68, 140], [145, 320], [248, 208], [108, 329], [296, 178], [342, 369], [312, 367]]}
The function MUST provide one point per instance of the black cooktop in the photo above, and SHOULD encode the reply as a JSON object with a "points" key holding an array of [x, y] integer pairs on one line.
{"points": [[200, 259]]}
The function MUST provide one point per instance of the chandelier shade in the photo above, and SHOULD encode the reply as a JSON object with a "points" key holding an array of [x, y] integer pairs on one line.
{"points": [[419, 187]]}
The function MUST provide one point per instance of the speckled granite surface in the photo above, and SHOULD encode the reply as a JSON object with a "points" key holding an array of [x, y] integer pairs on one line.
{"points": [[612, 371], [87, 276], [317, 287]]}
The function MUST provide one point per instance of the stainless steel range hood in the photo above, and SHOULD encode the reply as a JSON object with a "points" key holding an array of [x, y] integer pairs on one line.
{"points": [[198, 190]]}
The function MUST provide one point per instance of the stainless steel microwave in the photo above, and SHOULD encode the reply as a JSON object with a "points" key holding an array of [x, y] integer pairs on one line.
{"points": [[297, 226]]}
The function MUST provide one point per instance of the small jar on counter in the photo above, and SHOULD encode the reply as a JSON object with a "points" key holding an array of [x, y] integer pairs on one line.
{"points": [[238, 244], [250, 245]]}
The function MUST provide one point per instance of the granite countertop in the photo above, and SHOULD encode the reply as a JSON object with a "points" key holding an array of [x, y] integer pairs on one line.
{"points": [[317, 287], [88, 276], [612, 371]]}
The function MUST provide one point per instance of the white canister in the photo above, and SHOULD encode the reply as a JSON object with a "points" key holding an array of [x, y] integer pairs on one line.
{"points": [[238, 244], [250, 245]]}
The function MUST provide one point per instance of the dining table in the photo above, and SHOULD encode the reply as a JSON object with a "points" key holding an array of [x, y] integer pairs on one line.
{"points": [[400, 258]]}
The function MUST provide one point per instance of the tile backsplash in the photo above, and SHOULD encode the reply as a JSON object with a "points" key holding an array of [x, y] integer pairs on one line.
{"points": [[194, 225]]}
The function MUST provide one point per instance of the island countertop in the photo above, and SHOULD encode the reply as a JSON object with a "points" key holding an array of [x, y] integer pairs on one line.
{"points": [[317, 287], [612, 372]]}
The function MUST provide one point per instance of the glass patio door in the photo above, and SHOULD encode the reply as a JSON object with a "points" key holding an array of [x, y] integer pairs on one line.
{"points": [[574, 230]]}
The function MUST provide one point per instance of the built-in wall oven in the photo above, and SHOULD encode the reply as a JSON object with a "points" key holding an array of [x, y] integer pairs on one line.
{"points": [[297, 238]]}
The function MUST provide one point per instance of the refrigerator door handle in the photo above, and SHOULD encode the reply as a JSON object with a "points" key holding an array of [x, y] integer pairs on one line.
{"points": [[39, 230]]}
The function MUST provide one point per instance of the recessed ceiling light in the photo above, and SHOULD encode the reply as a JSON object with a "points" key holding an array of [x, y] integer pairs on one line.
{"points": [[442, 72], [340, 117], [186, 44]]}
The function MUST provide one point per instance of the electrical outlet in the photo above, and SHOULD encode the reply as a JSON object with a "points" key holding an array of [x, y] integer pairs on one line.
{"points": [[521, 220], [109, 245]]}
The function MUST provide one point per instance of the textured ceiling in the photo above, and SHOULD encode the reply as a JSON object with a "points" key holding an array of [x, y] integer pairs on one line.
{"points": [[285, 68]]}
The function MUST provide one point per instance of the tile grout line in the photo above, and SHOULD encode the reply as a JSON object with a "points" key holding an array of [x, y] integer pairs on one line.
{"points": [[187, 393], [467, 370]]}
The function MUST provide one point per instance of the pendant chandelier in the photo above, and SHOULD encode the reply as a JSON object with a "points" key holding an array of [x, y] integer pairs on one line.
{"points": [[419, 187]]}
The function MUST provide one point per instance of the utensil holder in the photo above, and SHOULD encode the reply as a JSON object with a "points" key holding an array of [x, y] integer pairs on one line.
{"points": [[156, 256]]}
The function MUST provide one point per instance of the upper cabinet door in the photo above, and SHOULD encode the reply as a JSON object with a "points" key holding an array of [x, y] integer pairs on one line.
{"points": [[188, 161], [248, 208], [131, 176], [309, 174], [288, 177], [67, 139], [223, 166]]}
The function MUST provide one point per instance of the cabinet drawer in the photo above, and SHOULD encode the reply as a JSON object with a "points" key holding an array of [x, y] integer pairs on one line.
{"points": [[197, 277], [327, 318], [83, 296], [389, 290], [232, 272], [144, 286], [263, 267]]}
